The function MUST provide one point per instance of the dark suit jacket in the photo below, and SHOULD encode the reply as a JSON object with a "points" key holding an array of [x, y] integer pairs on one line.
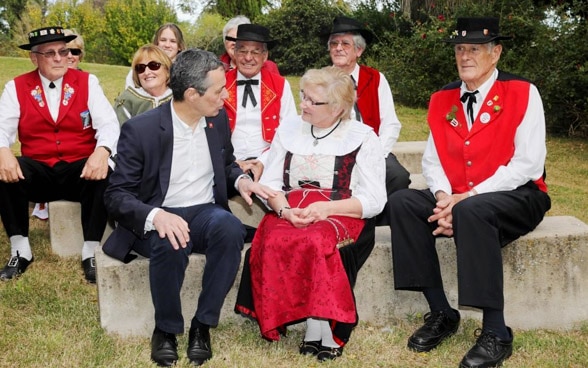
{"points": [[141, 178]]}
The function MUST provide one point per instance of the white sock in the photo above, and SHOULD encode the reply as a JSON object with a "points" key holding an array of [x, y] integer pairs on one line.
{"points": [[88, 249], [327, 335], [313, 330], [20, 244]]}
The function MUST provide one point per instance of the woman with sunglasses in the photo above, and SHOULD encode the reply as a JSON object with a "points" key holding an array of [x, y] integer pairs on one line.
{"points": [[150, 70], [329, 171], [170, 39]]}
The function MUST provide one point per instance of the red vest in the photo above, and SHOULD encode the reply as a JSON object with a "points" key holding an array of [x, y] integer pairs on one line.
{"points": [[272, 88], [69, 139], [368, 100], [470, 157]]}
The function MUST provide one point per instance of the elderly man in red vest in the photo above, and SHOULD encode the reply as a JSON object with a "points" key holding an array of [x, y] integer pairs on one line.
{"points": [[67, 130], [484, 166], [375, 105], [258, 99]]}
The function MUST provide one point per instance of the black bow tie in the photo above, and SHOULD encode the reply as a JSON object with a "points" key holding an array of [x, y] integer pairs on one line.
{"points": [[248, 90], [51, 85], [470, 97]]}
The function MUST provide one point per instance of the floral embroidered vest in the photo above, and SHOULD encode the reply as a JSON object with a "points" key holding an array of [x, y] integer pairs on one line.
{"points": [[470, 157], [71, 137], [272, 88]]}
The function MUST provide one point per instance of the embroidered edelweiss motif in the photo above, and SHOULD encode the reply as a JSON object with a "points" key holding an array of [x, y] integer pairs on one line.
{"points": [[37, 94], [451, 114], [68, 92]]}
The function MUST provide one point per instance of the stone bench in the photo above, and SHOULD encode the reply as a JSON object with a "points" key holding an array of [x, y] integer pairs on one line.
{"points": [[545, 283], [66, 231], [65, 228]]}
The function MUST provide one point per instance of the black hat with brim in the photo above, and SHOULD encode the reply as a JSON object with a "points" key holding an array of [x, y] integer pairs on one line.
{"points": [[253, 32], [46, 35], [476, 31], [344, 24]]}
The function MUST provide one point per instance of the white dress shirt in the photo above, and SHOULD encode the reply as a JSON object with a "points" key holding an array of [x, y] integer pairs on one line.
{"points": [[247, 138]]}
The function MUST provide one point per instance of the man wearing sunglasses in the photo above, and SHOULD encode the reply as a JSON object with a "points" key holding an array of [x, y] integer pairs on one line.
{"points": [[67, 131], [375, 105]]}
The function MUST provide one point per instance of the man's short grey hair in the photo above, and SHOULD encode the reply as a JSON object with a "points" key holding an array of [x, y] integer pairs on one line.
{"points": [[190, 70], [358, 40], [234, 23]]}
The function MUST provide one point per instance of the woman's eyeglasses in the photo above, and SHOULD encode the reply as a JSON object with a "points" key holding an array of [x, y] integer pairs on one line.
{"points": [[51, 54], [305, 98], [75, 52], [152, 65]]}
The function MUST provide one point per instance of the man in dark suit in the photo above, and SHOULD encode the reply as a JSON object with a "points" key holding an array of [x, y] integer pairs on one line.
{"points": [[175, 170]]}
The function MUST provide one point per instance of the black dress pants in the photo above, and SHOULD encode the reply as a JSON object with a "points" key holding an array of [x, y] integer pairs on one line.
{"points": [[482, 225], [43, 183], [214, 232]]}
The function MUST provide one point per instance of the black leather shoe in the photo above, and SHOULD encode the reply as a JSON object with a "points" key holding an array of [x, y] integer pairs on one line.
{"points": [[489, 351], [326, 353], [438, 326], [164, 348], [309, 347], [15, 267], [199, 350], [89, 266]]}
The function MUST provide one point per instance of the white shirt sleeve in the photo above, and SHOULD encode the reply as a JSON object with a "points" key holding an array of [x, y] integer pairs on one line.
{"points": [[371, 171], [433, 171], [288, 106], [104, 119], [389, 124], [9, 115]]}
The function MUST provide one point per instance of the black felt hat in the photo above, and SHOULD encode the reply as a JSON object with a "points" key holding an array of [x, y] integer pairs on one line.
{"points": [[253, 32], [46, 35], [343, 24], [476, 30]]}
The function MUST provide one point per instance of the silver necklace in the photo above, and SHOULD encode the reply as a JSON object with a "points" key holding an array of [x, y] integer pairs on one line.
{"points": [[316, 139]]}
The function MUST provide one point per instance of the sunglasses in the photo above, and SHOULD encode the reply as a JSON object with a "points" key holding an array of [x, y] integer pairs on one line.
{"points": [[152, 65], [75, 52]]}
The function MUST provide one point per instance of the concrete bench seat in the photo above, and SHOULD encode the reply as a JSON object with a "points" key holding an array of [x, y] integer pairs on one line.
{"points": [[66, 231], [545, 283]]}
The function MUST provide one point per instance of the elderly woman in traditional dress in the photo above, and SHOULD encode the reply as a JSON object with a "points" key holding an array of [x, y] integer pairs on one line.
{"points": [[306, 254]]}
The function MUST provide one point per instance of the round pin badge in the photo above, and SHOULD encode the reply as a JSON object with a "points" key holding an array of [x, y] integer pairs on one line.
{"points": [[485, 118]]}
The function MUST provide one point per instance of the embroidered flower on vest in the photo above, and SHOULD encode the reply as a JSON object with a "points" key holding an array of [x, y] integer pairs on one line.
{"points": [[68, 91], [450, 116], [37, 94]]}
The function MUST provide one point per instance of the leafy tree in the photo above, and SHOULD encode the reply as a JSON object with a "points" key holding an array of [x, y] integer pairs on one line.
{"points": [[206, 33], [131, 24], [300, 28], [230, 8]]}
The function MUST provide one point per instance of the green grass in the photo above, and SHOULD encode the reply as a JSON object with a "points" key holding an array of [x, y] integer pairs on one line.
{"points": [[50, 316]]}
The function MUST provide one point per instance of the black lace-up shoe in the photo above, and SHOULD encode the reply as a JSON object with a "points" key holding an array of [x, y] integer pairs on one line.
{"points": [[489, 351], [438, 326], [15, 267], [89, 267], [309, 347], [326, 353], [199, 350], [164, 348]]}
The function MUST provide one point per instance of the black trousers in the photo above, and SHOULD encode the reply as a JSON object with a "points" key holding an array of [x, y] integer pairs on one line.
{"points": [[397, 178], [482, 225], [214, 232], [43, 183]]}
